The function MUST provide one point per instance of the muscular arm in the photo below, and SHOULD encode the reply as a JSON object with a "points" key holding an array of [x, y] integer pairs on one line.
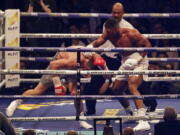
{"points": [[101, 40], [140, 41]]}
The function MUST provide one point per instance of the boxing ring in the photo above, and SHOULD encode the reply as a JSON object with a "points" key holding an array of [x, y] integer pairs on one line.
{"points": [[57, 111]]}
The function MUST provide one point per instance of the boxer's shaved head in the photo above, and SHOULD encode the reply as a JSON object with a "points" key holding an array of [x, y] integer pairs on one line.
{"points": [[117, 11]]}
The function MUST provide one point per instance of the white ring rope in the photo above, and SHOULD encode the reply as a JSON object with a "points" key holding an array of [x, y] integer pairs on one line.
{"points": [[130, 72], [91, 72], [84, 49], [48, 72], [148, 117], [83, 80], [156, 79], [112, 97], [149, 59], [35, 58], [163, 59], [48, 35]]}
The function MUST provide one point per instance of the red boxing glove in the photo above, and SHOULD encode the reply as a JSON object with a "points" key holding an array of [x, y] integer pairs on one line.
{"points": [[60, 90], [99, 62]]}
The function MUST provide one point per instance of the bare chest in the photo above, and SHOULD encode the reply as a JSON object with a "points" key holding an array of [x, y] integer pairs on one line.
{"points": [[124, 42]]}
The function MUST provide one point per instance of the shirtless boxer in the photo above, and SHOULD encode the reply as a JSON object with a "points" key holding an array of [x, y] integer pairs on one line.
{"points": [[63, 60], [117, 14], [124, 37], [113, 62]]}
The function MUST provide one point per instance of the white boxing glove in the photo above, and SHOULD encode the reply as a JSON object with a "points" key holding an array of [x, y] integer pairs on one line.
{"points": [[129, 64], [132, 61]]}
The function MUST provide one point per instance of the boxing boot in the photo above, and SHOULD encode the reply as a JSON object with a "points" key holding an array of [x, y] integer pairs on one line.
{"points": [[12, 107]]}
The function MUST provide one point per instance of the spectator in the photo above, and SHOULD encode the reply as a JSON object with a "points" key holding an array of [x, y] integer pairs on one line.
{"points": [[84, 29], [72, 132], [173, 55], [75, 41], [73, 29], [29, 132], [162, 65], [94, 22], [158, 28], [5, 125], [40, 25], [170, 125], [165, 87], [128, 131], [7, 128]]}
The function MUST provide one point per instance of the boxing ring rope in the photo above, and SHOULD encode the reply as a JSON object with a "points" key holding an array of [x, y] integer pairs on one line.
{"points": [[95, 72], [47, 59], [99, 15], [91, 72], [88, 118], [38, 59], [156, 79], [102, 15], [83, 80], [166, 96], [163, 59], [84, 49], [53, 35], [88, 80]]}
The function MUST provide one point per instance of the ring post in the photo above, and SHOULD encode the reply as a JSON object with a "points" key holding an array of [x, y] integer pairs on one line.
{"points": [[1, 44], [78, 84], [12, 39]]}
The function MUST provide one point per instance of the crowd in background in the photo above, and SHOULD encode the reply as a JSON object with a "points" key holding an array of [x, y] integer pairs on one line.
{"points": [[94, 25]]}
